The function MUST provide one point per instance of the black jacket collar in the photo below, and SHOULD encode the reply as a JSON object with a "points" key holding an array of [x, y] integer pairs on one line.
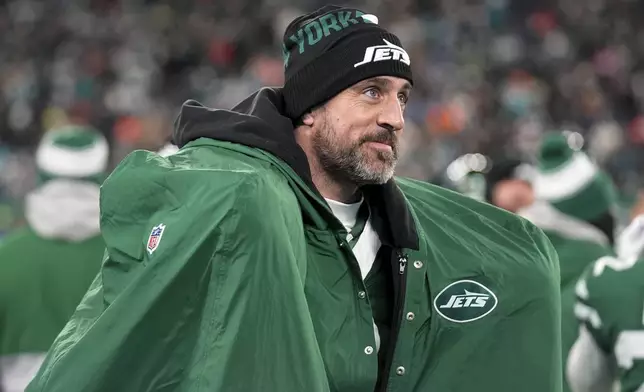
{"points": [[258, 122]]}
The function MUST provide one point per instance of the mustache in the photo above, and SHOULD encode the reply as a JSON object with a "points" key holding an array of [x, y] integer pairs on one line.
{"points": [[384, 137]]}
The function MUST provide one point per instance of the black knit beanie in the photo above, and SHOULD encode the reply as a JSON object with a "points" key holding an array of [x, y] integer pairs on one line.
{"points": [[332, 49]]}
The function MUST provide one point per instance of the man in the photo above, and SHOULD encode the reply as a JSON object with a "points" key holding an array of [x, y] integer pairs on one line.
{"points": [[46, 268], [263, 257], [610, 346]]}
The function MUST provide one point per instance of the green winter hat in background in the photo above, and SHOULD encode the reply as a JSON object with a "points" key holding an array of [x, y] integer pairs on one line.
{"points": [[73, 152], [569, 180]]}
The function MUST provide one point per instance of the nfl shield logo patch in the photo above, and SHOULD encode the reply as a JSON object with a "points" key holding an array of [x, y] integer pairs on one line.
{"points": [[155, 238]]}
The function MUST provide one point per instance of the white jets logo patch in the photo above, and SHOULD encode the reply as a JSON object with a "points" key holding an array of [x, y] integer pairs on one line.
{"points": [[388, 51], [464, 301], [155, 238]]}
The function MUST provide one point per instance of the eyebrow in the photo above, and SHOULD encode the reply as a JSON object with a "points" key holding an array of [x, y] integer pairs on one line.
{"points": [[385, 83]]}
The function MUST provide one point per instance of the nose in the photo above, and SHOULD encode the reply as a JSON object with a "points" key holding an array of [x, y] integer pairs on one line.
{"points": [[391, 115]]}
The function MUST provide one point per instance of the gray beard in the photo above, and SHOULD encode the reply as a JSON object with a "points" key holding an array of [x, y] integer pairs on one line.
{"points": [[351, 163]]}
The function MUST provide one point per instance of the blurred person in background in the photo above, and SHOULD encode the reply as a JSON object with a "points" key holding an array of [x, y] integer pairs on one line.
{"points": [[575, 222], [508, 185], [46, 267], [608, 354], [575, 206], [276, 252], [573, 203]]}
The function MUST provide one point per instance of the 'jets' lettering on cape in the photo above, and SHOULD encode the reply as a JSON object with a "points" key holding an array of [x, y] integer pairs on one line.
{"points": [[467, 300]]}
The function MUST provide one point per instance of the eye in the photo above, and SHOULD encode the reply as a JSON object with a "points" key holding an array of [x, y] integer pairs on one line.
{"points": [[403, 98], [372, 92]]}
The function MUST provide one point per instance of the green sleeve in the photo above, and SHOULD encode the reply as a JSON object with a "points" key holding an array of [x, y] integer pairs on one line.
{"points": [[217, 306]]}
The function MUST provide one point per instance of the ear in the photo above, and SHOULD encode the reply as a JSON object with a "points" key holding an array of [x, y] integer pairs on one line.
{"points": [[307, 119]]}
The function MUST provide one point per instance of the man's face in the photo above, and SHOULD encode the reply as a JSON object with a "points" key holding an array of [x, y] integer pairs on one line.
{"points": [[357, 132]]}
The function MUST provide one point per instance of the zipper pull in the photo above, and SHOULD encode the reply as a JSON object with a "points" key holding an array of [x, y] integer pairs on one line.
{"points": [[402, 263]]}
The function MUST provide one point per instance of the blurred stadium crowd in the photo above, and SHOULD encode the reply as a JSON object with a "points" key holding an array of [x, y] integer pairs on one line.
{"points": [[491, 75]]}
